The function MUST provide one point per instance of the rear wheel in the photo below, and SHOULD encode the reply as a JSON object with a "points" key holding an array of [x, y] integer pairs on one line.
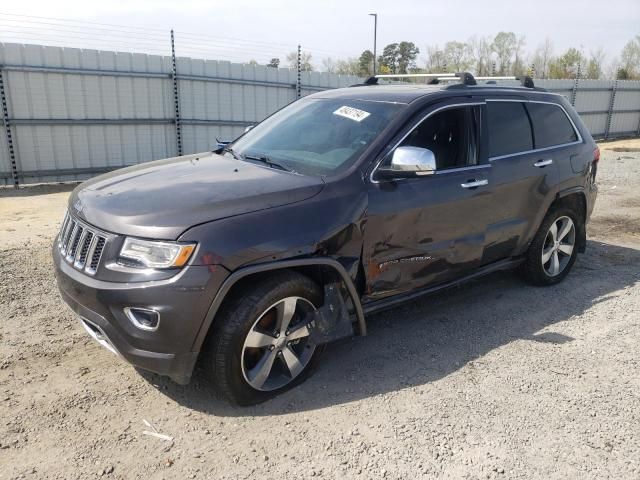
{"points": [[260, 345], [553, 250]]}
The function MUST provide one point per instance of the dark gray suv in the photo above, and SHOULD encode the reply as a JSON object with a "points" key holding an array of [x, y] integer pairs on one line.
{"points": [[247, 260]]}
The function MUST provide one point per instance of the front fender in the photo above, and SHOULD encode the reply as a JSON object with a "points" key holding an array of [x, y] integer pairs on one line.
{"points": [[236, 276], [328, 225]]}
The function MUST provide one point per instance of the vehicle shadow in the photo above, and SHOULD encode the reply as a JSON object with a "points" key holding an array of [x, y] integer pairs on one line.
{"points": [[428, 339]]}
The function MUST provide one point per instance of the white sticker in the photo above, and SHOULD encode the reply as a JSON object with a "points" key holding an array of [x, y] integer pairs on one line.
{"points": [[352, 113]]}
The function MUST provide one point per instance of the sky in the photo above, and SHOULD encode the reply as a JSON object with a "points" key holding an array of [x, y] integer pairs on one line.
{"points": [[252, 29]]}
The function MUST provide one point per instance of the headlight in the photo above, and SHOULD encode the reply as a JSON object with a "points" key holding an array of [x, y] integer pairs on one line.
{"points": [[150, 254]]}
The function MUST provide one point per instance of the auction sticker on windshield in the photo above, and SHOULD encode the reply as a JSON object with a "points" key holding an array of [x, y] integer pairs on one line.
{"points": [[352, 113]]}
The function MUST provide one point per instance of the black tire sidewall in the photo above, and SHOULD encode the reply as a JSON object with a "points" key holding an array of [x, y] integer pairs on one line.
{"points": [[533, 268], [238, 319]]}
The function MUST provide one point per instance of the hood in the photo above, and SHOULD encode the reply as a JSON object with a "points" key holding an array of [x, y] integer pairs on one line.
{"points": [[162, 199]]}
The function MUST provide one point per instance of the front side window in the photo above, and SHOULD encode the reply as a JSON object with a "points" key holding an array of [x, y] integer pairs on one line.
{"points": [[316, 136], [550, 125], [509, 128], [452, 135]]}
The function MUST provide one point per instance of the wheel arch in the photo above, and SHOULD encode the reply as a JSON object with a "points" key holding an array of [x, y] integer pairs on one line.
{"points": [[576, 199], [311, 267]]}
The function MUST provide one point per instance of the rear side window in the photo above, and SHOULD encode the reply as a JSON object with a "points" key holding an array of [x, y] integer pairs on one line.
{"points": [[550, 125], [509, 128]]}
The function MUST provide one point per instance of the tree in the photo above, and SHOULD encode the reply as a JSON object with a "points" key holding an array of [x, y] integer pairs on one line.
{"points": [[305, 61], [519, 64], [383, 69], [329, 65], [253, 62], [480, 55], [630, 58], [274, 63], [504, 46], [399, 57], [542, 58], [595, 64], [366, 63], [390, 57], [566, 65], [350, 66], [436, 60], [457, 56], [407, 53]]}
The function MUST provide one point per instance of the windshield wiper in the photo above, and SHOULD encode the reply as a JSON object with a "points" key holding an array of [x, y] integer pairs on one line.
{"points": [[268, 161], [230, 150]]}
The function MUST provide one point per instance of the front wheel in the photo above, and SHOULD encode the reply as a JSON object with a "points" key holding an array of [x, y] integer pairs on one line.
{"points": [[260, 345], [553, 250]]}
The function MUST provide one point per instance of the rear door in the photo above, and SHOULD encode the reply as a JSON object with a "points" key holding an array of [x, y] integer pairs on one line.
{"points": [[524, 177]]}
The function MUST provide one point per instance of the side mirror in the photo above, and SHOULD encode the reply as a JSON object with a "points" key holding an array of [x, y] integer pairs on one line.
{"points": [[410, 161]]}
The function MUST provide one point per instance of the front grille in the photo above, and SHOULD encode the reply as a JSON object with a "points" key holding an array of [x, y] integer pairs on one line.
{"points": [[81, 245]]}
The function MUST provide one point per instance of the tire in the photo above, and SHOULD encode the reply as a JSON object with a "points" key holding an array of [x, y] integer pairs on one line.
{"points": [[243, 341], [535, 269]]}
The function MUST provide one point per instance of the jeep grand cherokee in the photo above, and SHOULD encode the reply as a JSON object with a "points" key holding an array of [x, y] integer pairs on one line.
{"points": [[250, 258]]}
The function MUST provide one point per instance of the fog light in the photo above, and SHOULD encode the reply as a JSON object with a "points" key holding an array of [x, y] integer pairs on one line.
{"points": [[143, 318]]}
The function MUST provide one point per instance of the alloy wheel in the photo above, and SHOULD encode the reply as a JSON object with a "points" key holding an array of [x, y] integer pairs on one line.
{"points": [[558, 246], [277, 348]]}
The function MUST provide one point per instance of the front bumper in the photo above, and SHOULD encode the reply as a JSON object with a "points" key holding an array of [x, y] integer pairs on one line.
{"points": [[182, 300]]}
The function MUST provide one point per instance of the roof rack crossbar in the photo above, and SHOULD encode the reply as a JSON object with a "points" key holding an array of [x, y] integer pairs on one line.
{"points": [[415, 75], [465, 78], [497, 78]]}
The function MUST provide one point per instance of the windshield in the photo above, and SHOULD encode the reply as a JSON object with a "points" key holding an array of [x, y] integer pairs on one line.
{"points": [[316, 136]]}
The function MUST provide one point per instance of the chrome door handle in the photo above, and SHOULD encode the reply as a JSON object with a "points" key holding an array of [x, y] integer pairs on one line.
{"points": [[474, 183], [543, 163]]}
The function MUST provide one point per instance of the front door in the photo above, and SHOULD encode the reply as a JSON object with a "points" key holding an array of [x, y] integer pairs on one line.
{"points": [[430, 229]]}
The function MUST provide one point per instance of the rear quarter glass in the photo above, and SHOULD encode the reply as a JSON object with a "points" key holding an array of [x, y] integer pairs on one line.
{"points": [[551, 126]]}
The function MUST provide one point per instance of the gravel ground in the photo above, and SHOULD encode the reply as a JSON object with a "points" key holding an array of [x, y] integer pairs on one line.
{"points": [[495, 379]]}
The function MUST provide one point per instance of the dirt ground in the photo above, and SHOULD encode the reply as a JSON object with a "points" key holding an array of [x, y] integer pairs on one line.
{"points": [[495, 379]]}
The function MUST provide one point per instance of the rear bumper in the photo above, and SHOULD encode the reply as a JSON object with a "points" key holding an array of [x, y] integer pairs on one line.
{"points": [[182, 301]]}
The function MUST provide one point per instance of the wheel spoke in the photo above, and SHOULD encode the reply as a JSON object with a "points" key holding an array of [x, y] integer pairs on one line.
{"points": [[285, 310], [259, 374], [555, 263], [256, 339], [277, 348], [292, 362], [566, 249], [546, 254], [299, 332], [554, 231], [565, 228]]}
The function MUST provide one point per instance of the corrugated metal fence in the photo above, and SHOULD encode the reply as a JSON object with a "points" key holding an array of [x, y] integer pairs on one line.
{"points": [[71, 113]]}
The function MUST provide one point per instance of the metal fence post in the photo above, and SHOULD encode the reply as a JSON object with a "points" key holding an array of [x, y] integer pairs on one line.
{"points": [[299, 67], [7, 130], [612, 100], [574, 92], [176, 96]]}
